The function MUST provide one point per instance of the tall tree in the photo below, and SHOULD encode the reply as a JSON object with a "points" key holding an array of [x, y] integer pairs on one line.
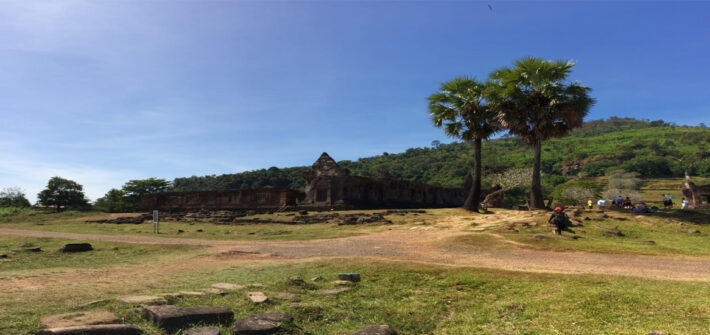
{"points": [[461, 108], [62, 193], [535, 103], [134, 189], [13, 197]]}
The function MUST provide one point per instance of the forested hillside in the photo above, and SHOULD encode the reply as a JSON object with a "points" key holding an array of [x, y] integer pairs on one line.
{"points": [[651, 148]]}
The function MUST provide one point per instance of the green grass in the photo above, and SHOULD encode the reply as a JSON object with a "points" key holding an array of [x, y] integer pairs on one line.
{"points": [[670, 230], [104, 253], [75, 223], [416, 299]]}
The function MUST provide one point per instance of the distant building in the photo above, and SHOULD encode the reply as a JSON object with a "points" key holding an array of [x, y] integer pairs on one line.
{"points": [[328, 186]]}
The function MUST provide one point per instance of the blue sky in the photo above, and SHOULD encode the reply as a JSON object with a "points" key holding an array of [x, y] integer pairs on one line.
{"points": [[102, 92]]}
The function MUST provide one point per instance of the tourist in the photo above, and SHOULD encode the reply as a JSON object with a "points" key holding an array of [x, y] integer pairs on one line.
{"points": [[627, 203], [670, 202], [590, 203], [641, 208], [619, 202], [684, 204], [665, 201], [601, 203], [559, 219]]}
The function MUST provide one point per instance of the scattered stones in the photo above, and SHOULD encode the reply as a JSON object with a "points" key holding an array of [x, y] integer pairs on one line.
{"points": [[92, 303], [110, 329], [268, 323], [334, 291], [343, 283], [79, 319], [28, 249], [140, 299], [376, 330], [213, 290], [611, 231], [77, 247], [287, 297], [353, 277], [257, 297], [172, 318], [202, 331], [647, 242], [317, 278], [125, 219], [227, 286], [296, 279]]}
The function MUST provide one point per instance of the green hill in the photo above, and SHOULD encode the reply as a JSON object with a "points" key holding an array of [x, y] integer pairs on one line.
{"points": [[651, 148]]}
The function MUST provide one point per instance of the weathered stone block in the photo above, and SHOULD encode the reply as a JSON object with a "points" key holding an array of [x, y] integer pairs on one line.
{"points": [[171, 317], [202, 331], [113, 329], [79, 319], [261, 324], [376, 330], [77, 247], [353, 277]]}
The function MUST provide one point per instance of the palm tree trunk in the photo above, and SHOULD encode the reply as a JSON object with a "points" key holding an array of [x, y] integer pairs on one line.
{"points": [[536, 201], [474, 196]]}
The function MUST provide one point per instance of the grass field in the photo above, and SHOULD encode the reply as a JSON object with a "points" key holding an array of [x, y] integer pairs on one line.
{"points": [[416, 299]]}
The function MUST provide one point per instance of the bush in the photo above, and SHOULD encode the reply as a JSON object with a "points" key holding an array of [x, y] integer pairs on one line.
{"points": [[576, 195], [598, 168], [13, 197], [620, 179], [651, 166]]}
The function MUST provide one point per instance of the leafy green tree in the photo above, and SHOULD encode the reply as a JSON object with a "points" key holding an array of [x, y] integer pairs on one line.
{"points": [[134, 189], [13, 197], [535, 103], [461, 108], [114, 201], [63, 193]]}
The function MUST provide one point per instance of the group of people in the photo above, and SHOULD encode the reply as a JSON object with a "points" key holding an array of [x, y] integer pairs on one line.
{"points": [[621, 202], [618, 202]]}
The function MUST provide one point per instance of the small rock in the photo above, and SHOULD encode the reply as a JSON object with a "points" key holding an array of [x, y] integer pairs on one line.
{"points": [[353, 277], [343, 283], [110, 329], [3, 256], [194, 293], [172, 318], [142, 299], [287, 297], [227, 286], [79, 319], [333, 291], [317, 278], [296, 279], [202, 331], [376, 330], [268, 323], [212, 290], [257, 297], [92, 303], [180, 231], [694, 231], [77, 247], [200, 230], [171, 297], [257, 285], [30, 249]]}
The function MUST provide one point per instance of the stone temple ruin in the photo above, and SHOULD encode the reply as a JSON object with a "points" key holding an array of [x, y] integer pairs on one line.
{"points": [[695, 194], [328, 186]]}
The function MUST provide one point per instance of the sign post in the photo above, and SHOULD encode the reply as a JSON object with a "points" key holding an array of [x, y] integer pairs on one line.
{"points": [[156, 221]]}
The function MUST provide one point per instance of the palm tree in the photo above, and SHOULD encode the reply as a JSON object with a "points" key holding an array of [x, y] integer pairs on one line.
{"points": [[535, 103], [460, 108]]}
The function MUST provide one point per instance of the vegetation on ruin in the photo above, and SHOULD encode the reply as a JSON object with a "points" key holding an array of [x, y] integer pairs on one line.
{"points": [[652, 148]]}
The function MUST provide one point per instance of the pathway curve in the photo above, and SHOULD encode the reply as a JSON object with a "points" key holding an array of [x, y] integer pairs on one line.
{"points": [[422, 245]]}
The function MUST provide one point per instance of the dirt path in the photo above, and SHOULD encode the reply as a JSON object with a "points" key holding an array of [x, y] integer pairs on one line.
{"points": [[424, 245]]}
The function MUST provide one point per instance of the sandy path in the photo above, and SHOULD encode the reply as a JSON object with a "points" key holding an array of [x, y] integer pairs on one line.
{"points": [[423, 245]]}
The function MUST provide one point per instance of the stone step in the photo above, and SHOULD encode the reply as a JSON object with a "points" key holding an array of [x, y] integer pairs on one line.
{"points": [[376, 330], [75, 319], [112, 329], [261, 324], [172, 317], [202, 331]]}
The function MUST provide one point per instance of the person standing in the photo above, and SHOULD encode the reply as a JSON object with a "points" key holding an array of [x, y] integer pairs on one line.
{"points": [[601, 203], [684, 204], [559, 219], [590, 203]]}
